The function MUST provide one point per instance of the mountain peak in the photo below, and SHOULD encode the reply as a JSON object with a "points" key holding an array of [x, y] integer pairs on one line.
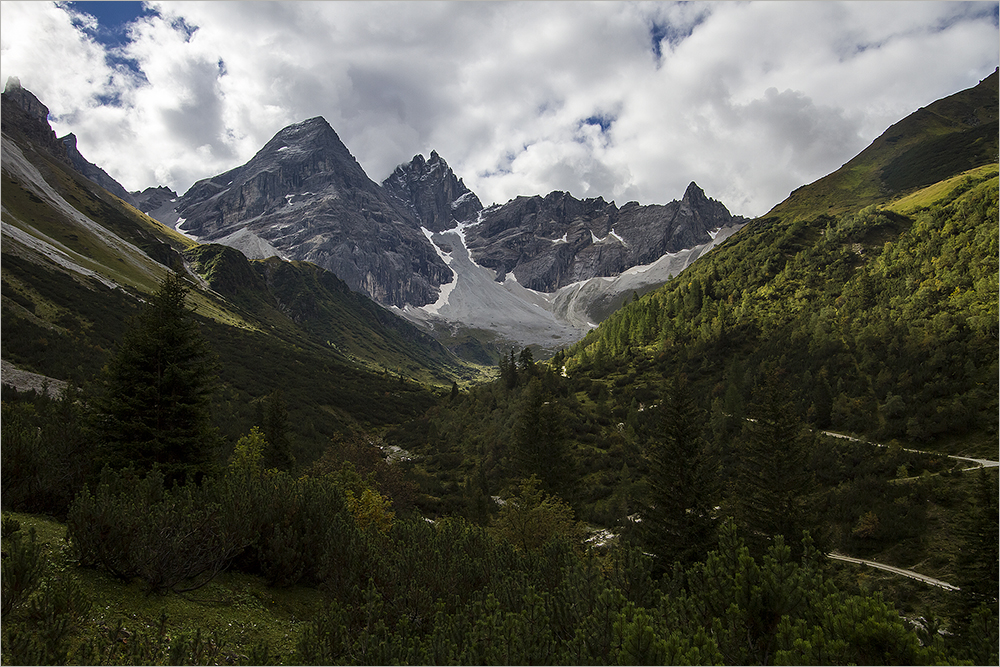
{"points": [[433, 192], [694, 194], [25, 99]]}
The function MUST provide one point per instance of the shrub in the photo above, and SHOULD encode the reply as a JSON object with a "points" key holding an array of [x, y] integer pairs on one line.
{"points": [[21, 572], [172, 540]]}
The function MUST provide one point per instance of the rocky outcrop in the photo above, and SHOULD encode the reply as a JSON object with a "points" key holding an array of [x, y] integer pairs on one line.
{"points": [[550, 242], [24, 116], [437, 197], [93, 172], [307, 197], [26, 100], [152, 199]]}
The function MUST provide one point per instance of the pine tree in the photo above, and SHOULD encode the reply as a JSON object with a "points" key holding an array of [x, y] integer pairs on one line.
{"points": [[978, 570], [677, 523], [540, 439], [771, 478], [273, 421], [155, 407]]}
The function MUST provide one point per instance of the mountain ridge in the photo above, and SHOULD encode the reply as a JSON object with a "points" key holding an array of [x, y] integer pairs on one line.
{"points": [[304, 196]]}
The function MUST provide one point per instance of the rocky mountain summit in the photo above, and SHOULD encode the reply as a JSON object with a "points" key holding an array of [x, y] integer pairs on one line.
{"points": [[433, 192], [152, 199], [303, 196], [28, 118], [550, 242]]}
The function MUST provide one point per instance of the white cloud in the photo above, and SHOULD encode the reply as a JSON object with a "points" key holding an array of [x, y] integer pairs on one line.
{"points": [[748, 99]]}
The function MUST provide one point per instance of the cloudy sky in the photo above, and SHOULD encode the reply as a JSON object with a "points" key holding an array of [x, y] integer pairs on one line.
{"points": [[629, 101]]}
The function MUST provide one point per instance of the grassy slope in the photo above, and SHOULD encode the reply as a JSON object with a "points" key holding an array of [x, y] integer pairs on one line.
{"points": [[338, 358], [949, 136]]}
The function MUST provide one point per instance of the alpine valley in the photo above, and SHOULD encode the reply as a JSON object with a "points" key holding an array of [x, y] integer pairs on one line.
{"points": [[295, 416]]}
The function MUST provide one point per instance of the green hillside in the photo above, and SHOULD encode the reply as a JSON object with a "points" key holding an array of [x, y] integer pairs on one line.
{"points": [[78, 263], [947, 137]]}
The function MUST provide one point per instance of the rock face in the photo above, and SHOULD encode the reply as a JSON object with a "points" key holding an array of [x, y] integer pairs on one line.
{"points": [[550, 242], [305, 196], [152, 199], [23, 114], [437, 197], [93, 172], [26, 100]]}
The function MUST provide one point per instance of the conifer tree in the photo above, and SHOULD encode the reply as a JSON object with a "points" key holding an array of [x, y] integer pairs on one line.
{"points": [[771, 477], [272, 418], [540, 439], [677, 523], [155, 405]]}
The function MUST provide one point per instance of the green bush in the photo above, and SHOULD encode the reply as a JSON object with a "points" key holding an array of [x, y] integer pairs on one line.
{"points": [[176, 539], [21, 572]]}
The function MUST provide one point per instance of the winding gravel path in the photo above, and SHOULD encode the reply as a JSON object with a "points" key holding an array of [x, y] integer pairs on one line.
{"points": [[895, 570]]}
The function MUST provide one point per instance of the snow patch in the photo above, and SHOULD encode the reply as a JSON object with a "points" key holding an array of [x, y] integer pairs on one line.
{"points": [[461, 200], [564, 238], [446, 288], [177, 228], [611, 234]]}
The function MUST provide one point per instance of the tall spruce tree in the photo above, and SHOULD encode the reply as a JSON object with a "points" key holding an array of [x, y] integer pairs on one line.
{"points": [[540, 439], [155, 406], [677, 523], [272, 417], [771, 477]]}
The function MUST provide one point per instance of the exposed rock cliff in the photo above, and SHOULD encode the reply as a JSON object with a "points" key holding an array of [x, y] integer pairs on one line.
{"points": [[305, 195], [430, 188], [550, 242], [93, 172]]}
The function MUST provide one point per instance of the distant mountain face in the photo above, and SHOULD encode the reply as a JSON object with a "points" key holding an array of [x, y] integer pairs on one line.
{"points": [[430, 189], [550, 242], [304, 196]]}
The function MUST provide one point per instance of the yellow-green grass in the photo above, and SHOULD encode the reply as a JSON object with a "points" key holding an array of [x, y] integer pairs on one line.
{"points": [[933, 194]]}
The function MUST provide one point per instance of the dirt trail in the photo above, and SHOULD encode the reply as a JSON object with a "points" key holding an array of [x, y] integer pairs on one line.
{"points": [[895, 570]]}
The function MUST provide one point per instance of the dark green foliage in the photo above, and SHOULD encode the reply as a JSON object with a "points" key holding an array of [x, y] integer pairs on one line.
{"points": [[979, 560], [154, 408], [172, 539], [40, 610], [884, 324], [552, 608], [45, 457], [22, 570], [540, 439], [771, 480], [677, 517], [272, 418]]}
